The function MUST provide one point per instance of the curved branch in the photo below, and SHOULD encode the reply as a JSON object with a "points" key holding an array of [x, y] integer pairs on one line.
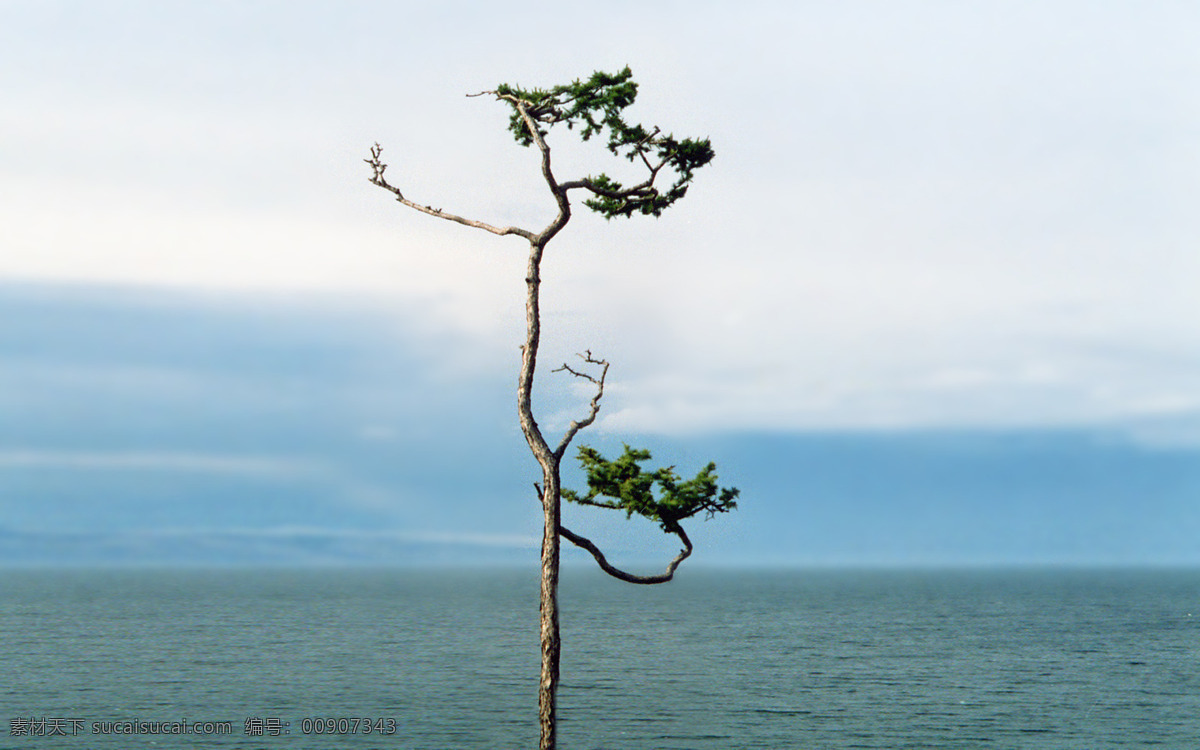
{"points": [[378, 179], [584, 500], [615, 572], [643, 189]]}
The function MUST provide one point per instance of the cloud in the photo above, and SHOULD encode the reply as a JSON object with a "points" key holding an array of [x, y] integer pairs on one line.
{"points": [[123, 236], [899, 198], [1037, 395]]}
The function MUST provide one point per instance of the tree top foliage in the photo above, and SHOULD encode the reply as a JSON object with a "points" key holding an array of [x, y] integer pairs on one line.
{"points": [[621, 484], [597, 107]]}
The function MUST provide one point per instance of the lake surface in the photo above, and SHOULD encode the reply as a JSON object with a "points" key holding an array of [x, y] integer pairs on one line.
{"points": [[443, 660]]}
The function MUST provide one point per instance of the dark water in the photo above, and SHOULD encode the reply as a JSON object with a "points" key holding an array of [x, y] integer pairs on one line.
{"points": [[714, 660]]}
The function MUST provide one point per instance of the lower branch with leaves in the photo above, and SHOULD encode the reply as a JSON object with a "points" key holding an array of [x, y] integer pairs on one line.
{"points": [[621, 484]]}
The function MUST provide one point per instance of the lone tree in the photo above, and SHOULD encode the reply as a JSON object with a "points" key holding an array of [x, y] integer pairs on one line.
{"points": [[596, 107]]}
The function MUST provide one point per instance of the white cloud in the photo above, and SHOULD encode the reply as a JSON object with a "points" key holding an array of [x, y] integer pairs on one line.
{"points": [[123, 236], [924, 216]]}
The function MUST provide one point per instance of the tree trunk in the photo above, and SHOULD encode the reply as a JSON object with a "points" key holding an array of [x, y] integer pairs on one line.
{"points": [[551, 499], [535, 109], [551, 643]]}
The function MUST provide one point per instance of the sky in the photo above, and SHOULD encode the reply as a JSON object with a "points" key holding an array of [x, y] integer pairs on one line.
{"points": [[932, 304]]}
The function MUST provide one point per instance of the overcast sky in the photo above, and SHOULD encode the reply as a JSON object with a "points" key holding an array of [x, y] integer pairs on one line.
{"points": [[929, 225]]}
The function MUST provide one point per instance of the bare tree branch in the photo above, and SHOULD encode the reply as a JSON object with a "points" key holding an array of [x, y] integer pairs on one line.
{"points": [[378, 179], [594, 408]]}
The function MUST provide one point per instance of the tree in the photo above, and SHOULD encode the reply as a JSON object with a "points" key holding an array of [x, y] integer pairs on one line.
{"points": [[596, 107]]}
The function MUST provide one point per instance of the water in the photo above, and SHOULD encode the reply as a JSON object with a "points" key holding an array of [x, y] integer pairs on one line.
{"points": [[804, 660]]}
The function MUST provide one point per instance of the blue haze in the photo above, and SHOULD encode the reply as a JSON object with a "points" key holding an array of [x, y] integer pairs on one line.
{"points": [[141, 427]]}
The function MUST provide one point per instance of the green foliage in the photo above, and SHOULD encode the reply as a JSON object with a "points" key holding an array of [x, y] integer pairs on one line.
{"points": [[597, 106], [623, 485]]}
